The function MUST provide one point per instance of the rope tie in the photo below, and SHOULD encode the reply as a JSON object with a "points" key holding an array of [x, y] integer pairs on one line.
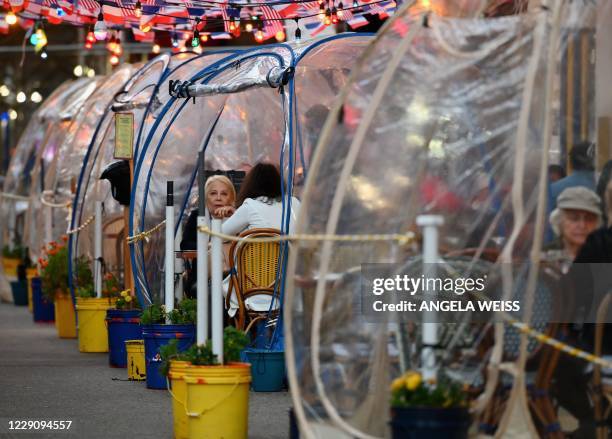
{"points": [[144, 236], [14, 196], [402, 239], [87, 222], [47, 203]]}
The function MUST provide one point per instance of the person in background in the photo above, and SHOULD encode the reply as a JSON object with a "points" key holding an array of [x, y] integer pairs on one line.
{"points": [[219, 192], [555, 173], [578, 213], [582, 160], [259, 203]]}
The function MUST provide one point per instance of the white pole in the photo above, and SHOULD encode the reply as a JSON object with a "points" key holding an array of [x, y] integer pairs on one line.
{"points": [[430, 224], [169, 275], [98, 249], [217, 293], [47, 212], [179, 264], [202, 285]]}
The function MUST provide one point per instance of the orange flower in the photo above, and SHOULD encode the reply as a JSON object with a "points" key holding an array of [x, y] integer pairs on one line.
{"points": [[65, 238], [114, 289], [53, 252], [108, 276]]}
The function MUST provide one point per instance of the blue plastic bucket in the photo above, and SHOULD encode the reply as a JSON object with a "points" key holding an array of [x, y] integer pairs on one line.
{"points": [[267, 369], [159, 335], [42, 308], [20, 292], [122, 325]]}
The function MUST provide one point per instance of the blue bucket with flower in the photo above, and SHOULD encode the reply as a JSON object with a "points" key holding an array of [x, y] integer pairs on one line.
{"points": [[42, 307], [122, 324], [158, 335]]}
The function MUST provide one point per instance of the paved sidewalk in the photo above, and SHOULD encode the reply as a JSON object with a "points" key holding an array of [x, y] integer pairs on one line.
{"points": [[46, 378]]}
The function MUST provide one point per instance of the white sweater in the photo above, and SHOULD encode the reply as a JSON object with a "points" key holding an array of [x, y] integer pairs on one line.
{"points": [[260, 213]]}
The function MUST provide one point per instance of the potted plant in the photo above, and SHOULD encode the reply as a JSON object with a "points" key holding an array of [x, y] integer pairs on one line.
{"points": [[215, 395], [123, 322], [157, 333], [54, 276], [435, 410], [91, 310], [11, 258]]}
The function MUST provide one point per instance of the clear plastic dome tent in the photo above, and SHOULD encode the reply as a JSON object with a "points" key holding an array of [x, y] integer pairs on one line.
{"points": [[237, 124], [44, 125], [443, 116], [62, 117], [62, 162], [141, 97]]}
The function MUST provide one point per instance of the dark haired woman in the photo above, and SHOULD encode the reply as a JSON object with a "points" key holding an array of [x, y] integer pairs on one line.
{"points": [[259, 206], [259, 202]]}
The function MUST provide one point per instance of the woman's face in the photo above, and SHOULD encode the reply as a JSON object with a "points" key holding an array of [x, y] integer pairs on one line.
{"points": [[576, 225], [219, 195]]}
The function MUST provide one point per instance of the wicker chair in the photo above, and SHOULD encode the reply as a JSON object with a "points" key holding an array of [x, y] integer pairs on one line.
{"points": [[253, 273]]}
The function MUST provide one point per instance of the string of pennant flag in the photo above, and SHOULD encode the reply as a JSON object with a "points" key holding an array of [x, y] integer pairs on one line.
{"points": [[144, 17]]}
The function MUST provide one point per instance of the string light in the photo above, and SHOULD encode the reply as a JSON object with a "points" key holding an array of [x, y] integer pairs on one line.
{"points": [[36, 97], [328, 17], [355, 4], [78, 71], [248, 27], [90, 37], [60, 12], [203, 38], [118, 47], [12, 114], [280, 36], [334, 15], [259, 36], [173, 39], [340, 10], [321, 14], [43, 54], [10, 18], [114, 60], [138, 9], [100, 29], [298, 31], [21, 97], [4, 91], [195, 41], [155, 49], [91, 73], [42, 38]]}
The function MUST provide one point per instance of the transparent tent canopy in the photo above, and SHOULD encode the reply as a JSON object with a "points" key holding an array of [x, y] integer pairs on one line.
{"points": [[142, 97], [60, 162], [235, 129], [45, 126], [446, 116]]}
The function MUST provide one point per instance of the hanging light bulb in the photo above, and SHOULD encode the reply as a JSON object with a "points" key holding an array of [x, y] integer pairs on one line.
{"points": [[328, 17], [195, 41], [10, 18], [118, 47], [280, 36], [321, 13], [203, 38], [43, 52], [34, 35], [248, 27], [155, 49], [21, 97], [298, 31], [259, 36], [91, 73], [334, 15], [355, 4], [175, 42], [90, 38], [110, 44], [341, 11], [114, 60], [138, 9], [42, 37], [100, 29], [88, 45], [232, 24], [60, 12]]}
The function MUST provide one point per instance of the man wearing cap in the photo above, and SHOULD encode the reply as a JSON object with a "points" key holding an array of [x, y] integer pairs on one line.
{"points": [[577, 214]]}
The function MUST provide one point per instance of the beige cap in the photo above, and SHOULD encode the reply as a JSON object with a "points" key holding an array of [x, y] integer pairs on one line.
{"points": [[579, 198]]}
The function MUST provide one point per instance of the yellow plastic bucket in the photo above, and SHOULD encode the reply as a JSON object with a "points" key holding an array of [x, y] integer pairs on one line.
{"points": [[91, 312], [217, 401], [10, 266], [136, 365], [177, 389], [65, 318], [31, 273]]}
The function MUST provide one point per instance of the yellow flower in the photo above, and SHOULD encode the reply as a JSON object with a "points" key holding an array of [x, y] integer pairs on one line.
{"points": [[124, 294], [412, 380], [128, 299], [397, 384]]}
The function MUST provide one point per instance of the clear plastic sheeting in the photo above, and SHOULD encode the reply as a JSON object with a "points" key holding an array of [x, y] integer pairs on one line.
{"points": [[444, 116], [142, 87], [236, 131], [63, 161], [45, 127]]}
